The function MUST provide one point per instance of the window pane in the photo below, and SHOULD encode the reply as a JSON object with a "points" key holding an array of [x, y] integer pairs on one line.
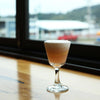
{"points": [[7, 18], [75, 20]]}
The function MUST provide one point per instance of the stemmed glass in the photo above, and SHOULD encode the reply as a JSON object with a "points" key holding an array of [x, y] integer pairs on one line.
{"points": [[57, 52]]}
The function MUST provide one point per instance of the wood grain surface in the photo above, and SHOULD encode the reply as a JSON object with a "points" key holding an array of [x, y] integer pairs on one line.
{"points": [[27, 80]]}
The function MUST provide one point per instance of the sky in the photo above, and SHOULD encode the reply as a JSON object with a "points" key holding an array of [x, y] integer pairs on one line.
{"points": [[7, 7]]}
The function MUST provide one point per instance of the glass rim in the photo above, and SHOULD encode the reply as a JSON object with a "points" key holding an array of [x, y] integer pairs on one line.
{"points": [[57, 41]]}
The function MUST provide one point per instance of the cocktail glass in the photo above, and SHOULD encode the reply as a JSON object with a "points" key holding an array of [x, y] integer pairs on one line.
{"points": [[57, 53]]}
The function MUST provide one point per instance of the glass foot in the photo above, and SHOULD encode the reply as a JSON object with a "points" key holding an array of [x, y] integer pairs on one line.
{"points": [[57, 88]]}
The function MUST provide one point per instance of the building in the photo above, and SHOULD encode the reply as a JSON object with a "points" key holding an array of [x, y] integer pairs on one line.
{"points": [[42, 29]]}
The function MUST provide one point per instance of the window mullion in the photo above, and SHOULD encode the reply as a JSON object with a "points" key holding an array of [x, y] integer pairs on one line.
{"points": [[22, 17]]}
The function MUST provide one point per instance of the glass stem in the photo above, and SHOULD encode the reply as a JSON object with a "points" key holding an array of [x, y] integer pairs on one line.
{"points": [[57, 80]]}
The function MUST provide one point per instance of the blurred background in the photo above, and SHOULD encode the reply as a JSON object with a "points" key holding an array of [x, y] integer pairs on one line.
{"points": [[74, 20]]}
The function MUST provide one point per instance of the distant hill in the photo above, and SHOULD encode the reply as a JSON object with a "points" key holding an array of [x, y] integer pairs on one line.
{"points": [[77, 14]]}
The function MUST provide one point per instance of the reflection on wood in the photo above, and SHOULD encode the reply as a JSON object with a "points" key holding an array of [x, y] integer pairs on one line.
{"points": [[57, 96], [26, 80]]}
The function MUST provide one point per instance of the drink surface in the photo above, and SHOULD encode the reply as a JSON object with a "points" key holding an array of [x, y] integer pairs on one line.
{"points": [[57, 51]]}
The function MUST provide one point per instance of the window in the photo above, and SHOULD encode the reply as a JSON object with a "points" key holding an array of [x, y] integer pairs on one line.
{"points": [[7, 18], [74, 20], [83, 57], [8, 22]]}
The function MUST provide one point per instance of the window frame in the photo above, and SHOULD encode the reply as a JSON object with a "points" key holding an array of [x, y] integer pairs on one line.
{"points": [[82, 57]]}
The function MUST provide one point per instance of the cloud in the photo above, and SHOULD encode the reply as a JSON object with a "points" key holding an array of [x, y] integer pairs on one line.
{"points": [[7, 7]]}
